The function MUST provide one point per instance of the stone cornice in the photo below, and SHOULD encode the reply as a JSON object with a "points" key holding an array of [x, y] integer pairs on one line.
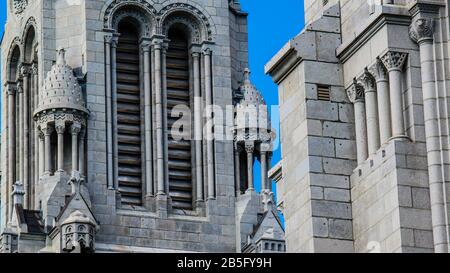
{"points": [[284, 63], [421, 30], [425, 6], [346, 50]]}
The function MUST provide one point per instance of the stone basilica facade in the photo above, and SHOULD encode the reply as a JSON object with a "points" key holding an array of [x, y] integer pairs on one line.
{"points": [[364, 111], [115, 134]]}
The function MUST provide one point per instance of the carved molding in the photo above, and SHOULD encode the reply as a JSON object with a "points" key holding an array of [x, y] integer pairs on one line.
{"points": [[158, 22], [378, 71], [394, 60], [367, 81], [356, 92], [421, 30], [19, 6]]}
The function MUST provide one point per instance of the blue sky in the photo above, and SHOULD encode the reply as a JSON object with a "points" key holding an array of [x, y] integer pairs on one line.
{"points": [[271, 25]]}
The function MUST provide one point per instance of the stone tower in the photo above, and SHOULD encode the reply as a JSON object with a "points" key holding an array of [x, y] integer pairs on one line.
{"points": [[116, 136], [364, 128]]}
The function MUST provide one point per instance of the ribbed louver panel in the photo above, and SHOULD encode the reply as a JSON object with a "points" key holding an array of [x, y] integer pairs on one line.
{"points": [[129, 118], [180, 166]]}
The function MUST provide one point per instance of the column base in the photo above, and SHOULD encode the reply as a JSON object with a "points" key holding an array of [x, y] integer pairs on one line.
{"points": [[150, 202], [399, 137], [162, 205], [200, 207]]}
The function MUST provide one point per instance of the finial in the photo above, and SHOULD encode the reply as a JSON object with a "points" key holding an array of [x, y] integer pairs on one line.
{"points": [[61, 56], [18, 193], [247, 73]]}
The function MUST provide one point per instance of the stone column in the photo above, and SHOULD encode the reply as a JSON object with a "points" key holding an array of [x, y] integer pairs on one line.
{"points": [[11, 93], [148, 121], [378, 71], [249, 148], [209, 125], [115, 148], [60, 128], [47, 130], [394, 61], [81, 147], [74, 131], [41, 152], [159, 120], [20, 124], [164, 48], [198, 128], [421, 31], [373, 133], [25, 72], [109, 43], [263, 159], [356, 95], [36, 155], [237, 169]]}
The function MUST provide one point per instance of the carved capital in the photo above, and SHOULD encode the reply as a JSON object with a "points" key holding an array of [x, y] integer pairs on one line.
{"points": [[394, 60], [34, 69], [19, 87], [421, 30], [207, 51], [356, 92], [378, 71], [367, 81], [10, 89], [249, 147], [60, 127], [47, 130], [24, 71], [75, 128]]}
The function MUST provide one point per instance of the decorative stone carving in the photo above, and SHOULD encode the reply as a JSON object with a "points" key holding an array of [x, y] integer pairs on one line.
{"points": [[190, 23], [186, 10], [19, 6], [119, 8], [252, 121], [378, 71], [367, 81], [394, 60], [355, 92], [421, 30], [61, 90], [138, 14], [77, 233]]}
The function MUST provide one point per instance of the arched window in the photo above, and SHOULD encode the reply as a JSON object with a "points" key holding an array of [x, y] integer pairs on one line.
{"points": [[179, 101], [128, 113]]}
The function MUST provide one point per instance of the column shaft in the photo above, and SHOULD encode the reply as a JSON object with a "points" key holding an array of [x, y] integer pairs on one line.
{"points": [[109, 111], [237, 170], [159, 121], [41, 153], [435, 165], [20, 124], [25, 120], [48, 149], [74, 132], [81, 160], [384, 110], [115, 151], [396, 97], [11, 144], [198, 128], [361, 131], [148, 123], [251, 186], [264, 177], [209, 126], [60, 156]]}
